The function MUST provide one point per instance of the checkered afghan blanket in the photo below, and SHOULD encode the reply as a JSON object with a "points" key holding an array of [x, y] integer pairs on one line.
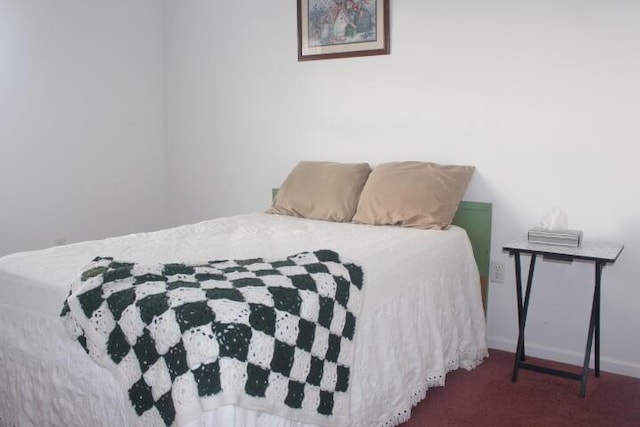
{"points": [[271, 335]]}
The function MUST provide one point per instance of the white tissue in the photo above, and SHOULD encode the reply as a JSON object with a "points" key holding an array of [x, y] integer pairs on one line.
{"points": [[555, 219]]}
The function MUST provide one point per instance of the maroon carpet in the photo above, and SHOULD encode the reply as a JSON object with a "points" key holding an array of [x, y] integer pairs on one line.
{"points": [[486, 396]]}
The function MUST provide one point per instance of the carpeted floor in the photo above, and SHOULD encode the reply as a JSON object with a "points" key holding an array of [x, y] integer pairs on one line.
{"points": [[486, 396]]}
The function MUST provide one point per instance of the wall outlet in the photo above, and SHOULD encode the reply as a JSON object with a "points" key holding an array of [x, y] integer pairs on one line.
{"points": [[496, 272]]}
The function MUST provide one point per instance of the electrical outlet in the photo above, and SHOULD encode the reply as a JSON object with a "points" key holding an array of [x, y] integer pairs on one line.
{"points": [[496, 272]]}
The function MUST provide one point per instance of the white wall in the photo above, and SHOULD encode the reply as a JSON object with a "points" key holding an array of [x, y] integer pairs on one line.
{"points": [[541, 96], [81, 120]]}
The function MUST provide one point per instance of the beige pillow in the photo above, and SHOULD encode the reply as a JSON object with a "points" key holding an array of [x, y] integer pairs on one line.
{"points": [[413, 194], [322, 190]]}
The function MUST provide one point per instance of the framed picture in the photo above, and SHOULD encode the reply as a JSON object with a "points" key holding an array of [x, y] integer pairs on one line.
{"points": [[342, 28]]}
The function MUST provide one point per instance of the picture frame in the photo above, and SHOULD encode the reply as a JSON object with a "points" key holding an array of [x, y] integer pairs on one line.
{"points": [[342, 28]]}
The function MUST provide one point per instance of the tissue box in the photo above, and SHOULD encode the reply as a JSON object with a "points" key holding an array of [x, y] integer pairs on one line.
{"points": [[555, 237]]}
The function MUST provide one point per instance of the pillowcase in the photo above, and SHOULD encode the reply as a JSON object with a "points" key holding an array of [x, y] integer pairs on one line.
{"points": [[413, 194], [321, 190]]}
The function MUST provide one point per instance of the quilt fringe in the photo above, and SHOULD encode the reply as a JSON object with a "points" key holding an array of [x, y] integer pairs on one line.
{"points": [[468, 359]]}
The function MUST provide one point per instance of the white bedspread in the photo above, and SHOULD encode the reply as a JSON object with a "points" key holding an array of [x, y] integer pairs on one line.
{"points": [[428, 285]]}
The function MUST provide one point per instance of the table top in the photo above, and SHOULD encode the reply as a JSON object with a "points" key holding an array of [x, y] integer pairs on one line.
{"points": [[588, 250]]}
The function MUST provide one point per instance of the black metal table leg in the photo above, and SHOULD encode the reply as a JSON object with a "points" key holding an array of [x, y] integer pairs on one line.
{"points": [[599, 266], [516, 362], [594, 330], [523, 307], [532, 265]]}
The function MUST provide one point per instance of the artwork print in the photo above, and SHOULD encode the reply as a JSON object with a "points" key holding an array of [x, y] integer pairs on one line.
{"points": [[342, 28], [334, 22]]}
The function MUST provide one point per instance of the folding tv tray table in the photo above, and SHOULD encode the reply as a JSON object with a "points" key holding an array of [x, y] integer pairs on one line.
{"points": [[600, 253]]}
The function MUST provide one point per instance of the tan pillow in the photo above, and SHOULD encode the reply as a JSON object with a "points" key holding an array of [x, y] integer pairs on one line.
{"points": [[322, 190], [413, 194]]}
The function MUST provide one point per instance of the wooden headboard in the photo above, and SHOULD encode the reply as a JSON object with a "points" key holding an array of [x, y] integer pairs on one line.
{"points": [[475, 218]]}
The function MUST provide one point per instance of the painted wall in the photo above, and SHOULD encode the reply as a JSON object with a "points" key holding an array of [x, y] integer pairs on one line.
{"points": [[81, 121], [542, 97]]}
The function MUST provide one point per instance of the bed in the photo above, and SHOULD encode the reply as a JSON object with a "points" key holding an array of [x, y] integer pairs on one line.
{"points": [[421, 315]]}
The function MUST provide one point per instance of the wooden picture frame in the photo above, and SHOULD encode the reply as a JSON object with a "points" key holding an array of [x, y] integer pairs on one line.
{"points": [[342, 28]]}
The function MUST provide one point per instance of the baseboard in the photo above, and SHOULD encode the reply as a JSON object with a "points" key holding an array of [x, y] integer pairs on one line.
{"points": [[607, 364]]}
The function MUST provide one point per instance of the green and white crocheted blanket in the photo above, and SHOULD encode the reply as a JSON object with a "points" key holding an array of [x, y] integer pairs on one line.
{"points": [[271, 335]]}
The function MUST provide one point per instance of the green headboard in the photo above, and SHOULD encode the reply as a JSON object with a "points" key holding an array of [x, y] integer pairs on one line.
{"points": [[475, 218]]}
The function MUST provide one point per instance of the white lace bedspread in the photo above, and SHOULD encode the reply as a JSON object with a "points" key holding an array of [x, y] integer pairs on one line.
{"points": [[428, 285]]}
